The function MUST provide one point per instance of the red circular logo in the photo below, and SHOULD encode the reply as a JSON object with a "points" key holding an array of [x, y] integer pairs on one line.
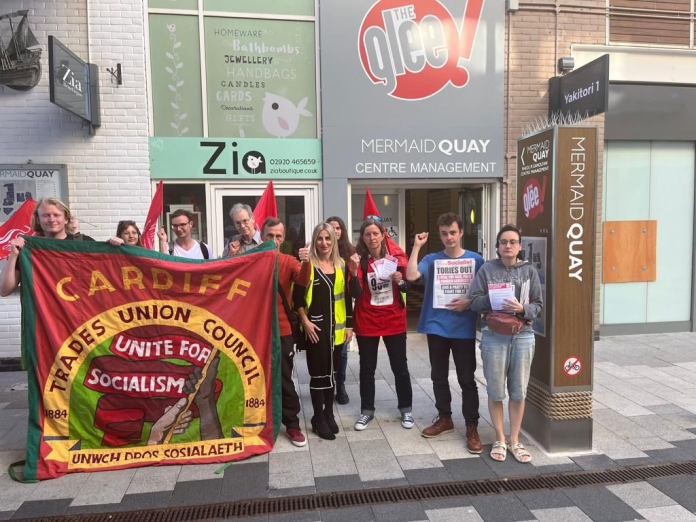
{"points": [[414, 46]]}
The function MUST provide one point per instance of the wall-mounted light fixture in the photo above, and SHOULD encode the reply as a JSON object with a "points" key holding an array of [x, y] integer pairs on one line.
{"points": [[566, 64]]}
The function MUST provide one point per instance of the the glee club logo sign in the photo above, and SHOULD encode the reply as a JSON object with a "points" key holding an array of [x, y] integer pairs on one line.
{"points": [[533, 197], [414, 47]]}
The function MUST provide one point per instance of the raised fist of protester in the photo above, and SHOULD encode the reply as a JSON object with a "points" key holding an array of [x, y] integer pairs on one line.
{"points": [[115, 241], [235, 247], [162, 234], [354, 263], [397, 277], [303, 254], [420, 239], [16, 245], [458, 304]]}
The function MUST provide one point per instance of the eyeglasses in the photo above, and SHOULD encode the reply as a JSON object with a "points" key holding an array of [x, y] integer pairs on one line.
{"points": [[376, 218], [242, 222], [511, 242], [179, 225]]}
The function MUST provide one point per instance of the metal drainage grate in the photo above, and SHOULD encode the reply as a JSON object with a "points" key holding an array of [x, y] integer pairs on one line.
{"points": [[342, 499]]}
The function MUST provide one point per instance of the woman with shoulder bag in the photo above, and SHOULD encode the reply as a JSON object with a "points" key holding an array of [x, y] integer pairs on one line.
{"points": [[321, 297], [507, 342]]}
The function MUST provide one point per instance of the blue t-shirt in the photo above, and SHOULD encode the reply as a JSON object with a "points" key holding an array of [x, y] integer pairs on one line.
{"points": [[440, 321]]}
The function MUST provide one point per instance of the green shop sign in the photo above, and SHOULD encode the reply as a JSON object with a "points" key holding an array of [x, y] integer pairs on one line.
{"points": [[234, 158]]}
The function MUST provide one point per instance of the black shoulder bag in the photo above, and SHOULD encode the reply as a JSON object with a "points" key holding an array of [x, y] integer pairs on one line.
{"points": [[294, 320]]}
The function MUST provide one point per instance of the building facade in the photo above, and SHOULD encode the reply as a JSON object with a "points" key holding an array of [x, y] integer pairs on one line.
{"points": [[220, 97], [103, 177]]}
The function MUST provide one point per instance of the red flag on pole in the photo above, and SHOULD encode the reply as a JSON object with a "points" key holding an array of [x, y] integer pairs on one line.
{"points": [[156, 207], [18, 224], [266, 207], [370, 209]]}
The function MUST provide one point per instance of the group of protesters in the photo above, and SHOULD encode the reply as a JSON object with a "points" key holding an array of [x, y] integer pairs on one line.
{"points": [[339, 290]]}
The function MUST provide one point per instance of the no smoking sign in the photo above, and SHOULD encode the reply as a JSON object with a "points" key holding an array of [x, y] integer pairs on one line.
{"points": [[572, 366]]}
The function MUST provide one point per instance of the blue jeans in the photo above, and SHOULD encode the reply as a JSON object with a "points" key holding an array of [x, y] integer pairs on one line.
{"points": [[342, 365], [507, 357]]}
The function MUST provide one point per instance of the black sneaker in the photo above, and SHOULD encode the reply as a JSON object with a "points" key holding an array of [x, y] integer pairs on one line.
{"points": [[362, 422]]}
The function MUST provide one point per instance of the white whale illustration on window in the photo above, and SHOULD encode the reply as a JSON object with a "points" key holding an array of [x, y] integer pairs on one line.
{"points": [[281, 117]]}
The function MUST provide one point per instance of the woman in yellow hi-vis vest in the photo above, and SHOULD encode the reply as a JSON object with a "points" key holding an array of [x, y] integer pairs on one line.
{"points": [[320, 299]]}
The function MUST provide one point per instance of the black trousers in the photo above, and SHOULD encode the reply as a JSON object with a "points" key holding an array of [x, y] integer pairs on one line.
{"points": [[291, 401], [396, 349], [464, 355]]}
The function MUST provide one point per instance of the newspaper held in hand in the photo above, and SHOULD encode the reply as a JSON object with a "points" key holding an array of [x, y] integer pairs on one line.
{"points": [[498, 292], [452, 280]]}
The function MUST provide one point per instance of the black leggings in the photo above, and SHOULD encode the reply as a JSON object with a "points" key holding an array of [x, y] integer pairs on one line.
{"points": [[396, 349]]}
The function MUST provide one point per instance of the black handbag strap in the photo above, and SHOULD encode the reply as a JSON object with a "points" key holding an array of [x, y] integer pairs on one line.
{"points": [[286, 305]]}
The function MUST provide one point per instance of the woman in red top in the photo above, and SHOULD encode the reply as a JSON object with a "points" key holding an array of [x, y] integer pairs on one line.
{"points": [[381, 312]]}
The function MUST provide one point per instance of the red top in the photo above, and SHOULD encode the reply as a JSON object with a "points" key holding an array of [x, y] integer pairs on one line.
{"points": [[288, 270], [380, 310]]}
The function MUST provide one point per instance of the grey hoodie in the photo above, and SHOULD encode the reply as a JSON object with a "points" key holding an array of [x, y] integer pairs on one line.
{"points": [[495, 271]]}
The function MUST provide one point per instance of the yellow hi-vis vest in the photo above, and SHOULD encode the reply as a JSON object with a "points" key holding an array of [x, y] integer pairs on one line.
{"points": [[339, 317]]}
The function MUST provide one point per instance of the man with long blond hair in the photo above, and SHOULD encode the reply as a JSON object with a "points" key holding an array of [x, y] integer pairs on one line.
{"points": [[51, 219]]}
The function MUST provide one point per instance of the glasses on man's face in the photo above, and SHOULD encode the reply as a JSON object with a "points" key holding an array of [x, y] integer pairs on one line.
{"points": [[179, 225], [511, 242], [242, 222]]}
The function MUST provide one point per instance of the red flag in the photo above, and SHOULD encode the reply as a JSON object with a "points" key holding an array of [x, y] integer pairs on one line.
{"points": [[266, 207], [156, 207], [370, 209], [18, 224]]}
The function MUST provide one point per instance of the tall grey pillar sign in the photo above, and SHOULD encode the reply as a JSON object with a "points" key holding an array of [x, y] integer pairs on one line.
{"points": [[556, 201], [411, 89]]}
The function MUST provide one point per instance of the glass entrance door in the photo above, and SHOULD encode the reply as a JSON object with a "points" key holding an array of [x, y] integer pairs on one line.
{"points": [[471, 202], [298, 208]]}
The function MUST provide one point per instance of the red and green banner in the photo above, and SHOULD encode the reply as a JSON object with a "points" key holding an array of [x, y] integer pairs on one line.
{"points": [[136, 358]]}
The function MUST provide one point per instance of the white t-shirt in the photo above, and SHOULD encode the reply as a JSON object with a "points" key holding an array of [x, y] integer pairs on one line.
{"points": [[194, 253]]}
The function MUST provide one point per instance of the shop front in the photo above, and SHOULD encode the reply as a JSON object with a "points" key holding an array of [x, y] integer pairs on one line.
{"points": [[647, 282], [234, 105], [412, 107]]}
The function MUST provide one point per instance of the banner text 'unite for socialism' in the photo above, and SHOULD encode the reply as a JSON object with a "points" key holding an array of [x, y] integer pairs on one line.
{"points": [[137, 358]]}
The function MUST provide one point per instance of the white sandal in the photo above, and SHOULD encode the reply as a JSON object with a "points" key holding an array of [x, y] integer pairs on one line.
{"points": [[520, 453], [500, 449]]}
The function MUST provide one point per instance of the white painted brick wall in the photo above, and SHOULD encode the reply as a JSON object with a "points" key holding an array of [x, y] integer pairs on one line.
{"points": [[108, 174]]}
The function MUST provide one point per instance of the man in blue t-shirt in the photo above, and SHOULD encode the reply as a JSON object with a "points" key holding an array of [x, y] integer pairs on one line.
{"points": [[449, 324]]}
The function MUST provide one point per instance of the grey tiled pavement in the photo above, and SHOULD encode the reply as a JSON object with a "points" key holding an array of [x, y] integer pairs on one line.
{"points": [[644, 412]]}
